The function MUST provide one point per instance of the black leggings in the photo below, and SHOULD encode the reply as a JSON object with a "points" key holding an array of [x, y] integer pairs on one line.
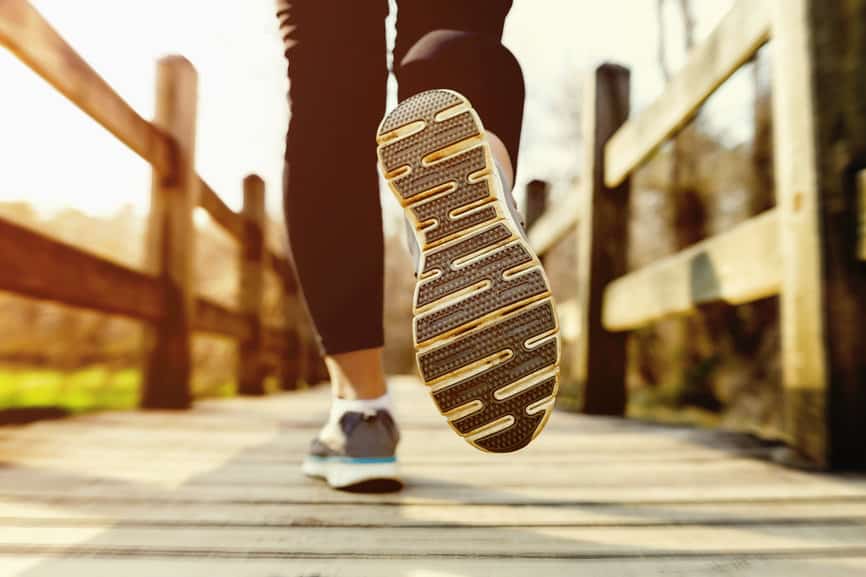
{"points": [[336, 51]]}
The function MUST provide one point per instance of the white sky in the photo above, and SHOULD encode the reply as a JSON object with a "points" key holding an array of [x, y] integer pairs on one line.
{"points": [[53, 156]]}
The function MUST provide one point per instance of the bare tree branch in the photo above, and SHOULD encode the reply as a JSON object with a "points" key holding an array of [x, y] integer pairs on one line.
{"points": [[688, 17], [688, 23], [664, 66]]}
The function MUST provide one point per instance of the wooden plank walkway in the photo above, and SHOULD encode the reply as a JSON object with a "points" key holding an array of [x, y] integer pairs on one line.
{"points": [[217, 492]]}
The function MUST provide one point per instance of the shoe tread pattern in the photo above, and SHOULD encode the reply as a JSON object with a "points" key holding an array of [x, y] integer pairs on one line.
{"points": [[484, 318]]}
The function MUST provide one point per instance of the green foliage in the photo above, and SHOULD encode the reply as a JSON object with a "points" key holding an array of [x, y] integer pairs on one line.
{"points": [[78, 390], [92, 388]]}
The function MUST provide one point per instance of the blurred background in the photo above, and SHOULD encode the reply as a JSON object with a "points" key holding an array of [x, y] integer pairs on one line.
{"points": [[63, 174]]}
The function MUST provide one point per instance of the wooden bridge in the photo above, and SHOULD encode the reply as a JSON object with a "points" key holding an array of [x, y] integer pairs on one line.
{"points": [[215, 490]]}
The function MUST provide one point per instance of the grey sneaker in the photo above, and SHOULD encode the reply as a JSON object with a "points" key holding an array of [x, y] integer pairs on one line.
{"points": [[357, 454], [485, 328]]}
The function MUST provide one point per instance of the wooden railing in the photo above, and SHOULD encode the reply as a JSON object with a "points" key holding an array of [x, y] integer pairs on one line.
{"points": [[805, 250], [164, 297]]}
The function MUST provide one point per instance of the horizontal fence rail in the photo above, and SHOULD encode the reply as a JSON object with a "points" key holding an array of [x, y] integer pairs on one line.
{"points": [[27, 35], [742, 32], [164, 298], [217, 319], [553, 226], [229, 220], [711, 271], [35, 265]]}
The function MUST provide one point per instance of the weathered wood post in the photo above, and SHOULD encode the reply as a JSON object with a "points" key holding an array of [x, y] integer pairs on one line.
{"points": [[252, 287], [304, 358], [171, 239], [316, 371], [291, 363], [322, 368], [537, 193], [602, 248], [820, 135]]}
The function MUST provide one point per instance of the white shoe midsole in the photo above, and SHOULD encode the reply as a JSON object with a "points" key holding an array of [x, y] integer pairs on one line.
{"points": [[339, 472]]}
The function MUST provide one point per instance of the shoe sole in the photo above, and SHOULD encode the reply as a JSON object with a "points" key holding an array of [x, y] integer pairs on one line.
{"points": [[355, 477], [485, 328]]}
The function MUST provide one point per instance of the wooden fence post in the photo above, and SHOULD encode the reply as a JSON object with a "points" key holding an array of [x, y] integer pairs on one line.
{"points": [[602, 248], [252, 287], [537, 192], [291, 362], [820, 124], [170, 241]]}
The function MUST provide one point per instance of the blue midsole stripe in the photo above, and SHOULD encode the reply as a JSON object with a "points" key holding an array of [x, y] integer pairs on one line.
{"points": [[354, 460]]}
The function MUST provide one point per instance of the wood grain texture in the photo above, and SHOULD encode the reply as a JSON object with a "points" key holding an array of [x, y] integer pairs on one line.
{"points": [[229, 220], [35, 42], [535, 203], [820, 120], [295, 342], [189, 493], [36, 266], [742, 32], [849, 565], [736, 267], [274, 476], [215, 318], [52, 270], [276, 340], [360, 515], [804, 369], [602, 244], [170, 244], [281, 266], [554, 225], [251, 366], [436, 491], [418, 543], [861, 198]]}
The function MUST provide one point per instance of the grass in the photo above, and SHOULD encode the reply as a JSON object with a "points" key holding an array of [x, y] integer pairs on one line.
{"points": [[86, 389], [92, 388]]}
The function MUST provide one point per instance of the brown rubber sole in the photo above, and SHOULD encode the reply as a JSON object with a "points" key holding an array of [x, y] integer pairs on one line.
{"points": [[485, 328]]}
